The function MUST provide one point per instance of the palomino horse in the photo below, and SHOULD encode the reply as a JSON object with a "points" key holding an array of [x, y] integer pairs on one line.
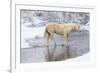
{"points": [[61, 29]]}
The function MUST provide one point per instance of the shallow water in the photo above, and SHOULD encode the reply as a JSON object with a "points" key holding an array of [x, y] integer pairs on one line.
{"points": [[79, 45]]}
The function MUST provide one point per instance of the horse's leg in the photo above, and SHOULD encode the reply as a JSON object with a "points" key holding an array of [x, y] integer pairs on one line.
{"points": [[48, 37], [47, 40], [66, 38], [51, 36]]}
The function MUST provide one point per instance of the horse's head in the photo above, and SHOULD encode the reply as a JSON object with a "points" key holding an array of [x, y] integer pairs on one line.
{"points": [[78, 27]]}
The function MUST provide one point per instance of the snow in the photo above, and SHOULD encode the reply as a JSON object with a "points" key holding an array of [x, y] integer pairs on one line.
{"points": [[35, 22], [80, 58], [85, 27], [30, 32], [28, 24]]}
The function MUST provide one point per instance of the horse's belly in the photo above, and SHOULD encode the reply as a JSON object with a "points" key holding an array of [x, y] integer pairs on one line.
{"points": [[60, 32]]}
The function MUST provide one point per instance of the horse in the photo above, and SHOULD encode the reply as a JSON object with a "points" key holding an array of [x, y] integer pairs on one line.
{"points": [[60, 29]]}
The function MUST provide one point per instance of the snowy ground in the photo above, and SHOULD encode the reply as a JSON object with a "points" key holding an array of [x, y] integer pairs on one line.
{"points": [[30, 32]]}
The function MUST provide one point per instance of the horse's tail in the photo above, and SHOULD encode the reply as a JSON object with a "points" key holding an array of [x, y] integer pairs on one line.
{"points": [[46, 33]]}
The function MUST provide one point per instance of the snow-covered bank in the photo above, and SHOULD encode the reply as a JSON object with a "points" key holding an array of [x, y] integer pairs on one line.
{"points": [[30, 32], [80, 58], [85, 27]]}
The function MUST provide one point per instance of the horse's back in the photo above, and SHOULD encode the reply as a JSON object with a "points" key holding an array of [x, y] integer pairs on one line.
{"points": [[50, 25], [55, 28]]}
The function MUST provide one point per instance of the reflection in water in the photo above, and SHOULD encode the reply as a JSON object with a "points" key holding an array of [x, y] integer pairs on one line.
{"points": [[44, 54], [51, 53], [56, 53]]}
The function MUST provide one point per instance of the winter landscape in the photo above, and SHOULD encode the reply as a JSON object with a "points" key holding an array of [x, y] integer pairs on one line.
{"points": [[33, 24]]}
